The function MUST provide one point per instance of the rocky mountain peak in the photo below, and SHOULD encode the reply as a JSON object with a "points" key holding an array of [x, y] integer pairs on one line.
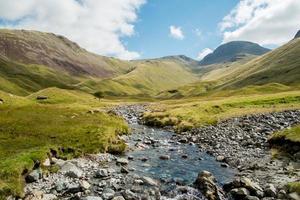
{"points": [[297, 35]]}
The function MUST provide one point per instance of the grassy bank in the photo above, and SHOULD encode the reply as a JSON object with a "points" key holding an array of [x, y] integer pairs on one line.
{"points": [[188, 112], [290, 135], [29, 129]]}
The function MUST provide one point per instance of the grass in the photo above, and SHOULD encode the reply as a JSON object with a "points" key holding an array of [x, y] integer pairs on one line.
{"points": [[211, 109], [29, 129], [294, 187], [291, 135]]}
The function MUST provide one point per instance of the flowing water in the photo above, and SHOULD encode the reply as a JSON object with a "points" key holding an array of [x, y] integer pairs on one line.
{"points": [[156, 153]]}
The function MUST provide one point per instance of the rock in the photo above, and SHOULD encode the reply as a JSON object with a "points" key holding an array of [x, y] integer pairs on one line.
{"points": [[239, 193], [71, 170], [150, 181], [252, 187], [85, 185], [34, 195], [129, 195], [251, 198], [118, 198], [164, 157], [101, 173], [144, 159], [60, 186], [33, 176], [183, 140], [122, 161], [73, 188], [297, 35], [224, 165], [130, 157], [184, 156], [47, 163], [206, 183], [124, 170], [91, 198], [282, 194], [270, 191], [108, 193], [49, 197], [220, 158], [1, 101], [294, 196], [41, 97]]}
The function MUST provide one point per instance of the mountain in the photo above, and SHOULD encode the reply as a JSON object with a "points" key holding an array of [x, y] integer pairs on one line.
{"points": [[31, 61], [58, 53], [281, 65], [233, 51], [297, 35]]}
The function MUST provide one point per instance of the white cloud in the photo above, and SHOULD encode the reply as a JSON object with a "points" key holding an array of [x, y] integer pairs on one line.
{"points": [[176, 32], [204, 53], [267, 22], [97, 25]]}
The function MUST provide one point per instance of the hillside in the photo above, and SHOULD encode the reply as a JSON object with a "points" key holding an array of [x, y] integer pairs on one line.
{"points": [[233, 51], [57, 52], [148, 78], [281, 65]]}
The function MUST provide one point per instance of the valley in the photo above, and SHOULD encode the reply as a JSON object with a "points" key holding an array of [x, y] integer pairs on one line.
{"points": [[76, 125]]}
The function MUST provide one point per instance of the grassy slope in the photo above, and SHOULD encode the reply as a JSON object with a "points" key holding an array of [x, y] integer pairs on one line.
{"points": [[281, 65], [22, 79], [210, 109], [29, 129], [148, 78], [57, 52]]}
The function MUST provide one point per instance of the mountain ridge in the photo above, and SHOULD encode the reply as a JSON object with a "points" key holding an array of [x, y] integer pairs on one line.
{"points": [[233, 51]]}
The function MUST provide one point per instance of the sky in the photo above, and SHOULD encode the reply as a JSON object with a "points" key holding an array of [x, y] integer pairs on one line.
{"points": [[138, 29]]}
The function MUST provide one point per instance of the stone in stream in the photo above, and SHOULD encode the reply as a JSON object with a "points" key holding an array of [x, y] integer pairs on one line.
{"points": [[164, 157], [270, 191], [108, 193], [122, 161], [206, 183]]}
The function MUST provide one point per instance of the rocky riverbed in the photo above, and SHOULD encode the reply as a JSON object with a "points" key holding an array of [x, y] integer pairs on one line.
{"points": [[162, 165]]}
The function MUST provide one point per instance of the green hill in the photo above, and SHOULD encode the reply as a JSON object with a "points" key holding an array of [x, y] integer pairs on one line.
{"points": [[148, 78]]}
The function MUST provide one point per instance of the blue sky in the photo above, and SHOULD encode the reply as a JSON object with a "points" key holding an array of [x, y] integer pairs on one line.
{"points": [[152, 38], [136, 29]]}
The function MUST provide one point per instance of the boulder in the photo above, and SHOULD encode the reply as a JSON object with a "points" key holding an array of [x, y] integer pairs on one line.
{"points": [[118, 198], [71, 170], [33, 176], [49, 197], [122, 161], [101, 173], [206, 183], [270, 191], [1, 101], [108, 193], [239, 193]]}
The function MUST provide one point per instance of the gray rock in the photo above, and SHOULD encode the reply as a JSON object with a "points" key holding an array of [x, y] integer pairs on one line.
{"points": [[91, 198], [118, 198], [150, 181], [251, 198], [71, 170], [124, 170], [293, 196], [49, 197], [122, 161], [129, 195], [270, 191], [101, 173], [74, 188], [108, 193], [34, 176]]}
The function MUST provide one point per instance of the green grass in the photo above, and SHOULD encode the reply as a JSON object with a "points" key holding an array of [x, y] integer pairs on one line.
{"points": [[292, 135], [28, 129], [211, 109], [294, 187], [147, 79]]}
